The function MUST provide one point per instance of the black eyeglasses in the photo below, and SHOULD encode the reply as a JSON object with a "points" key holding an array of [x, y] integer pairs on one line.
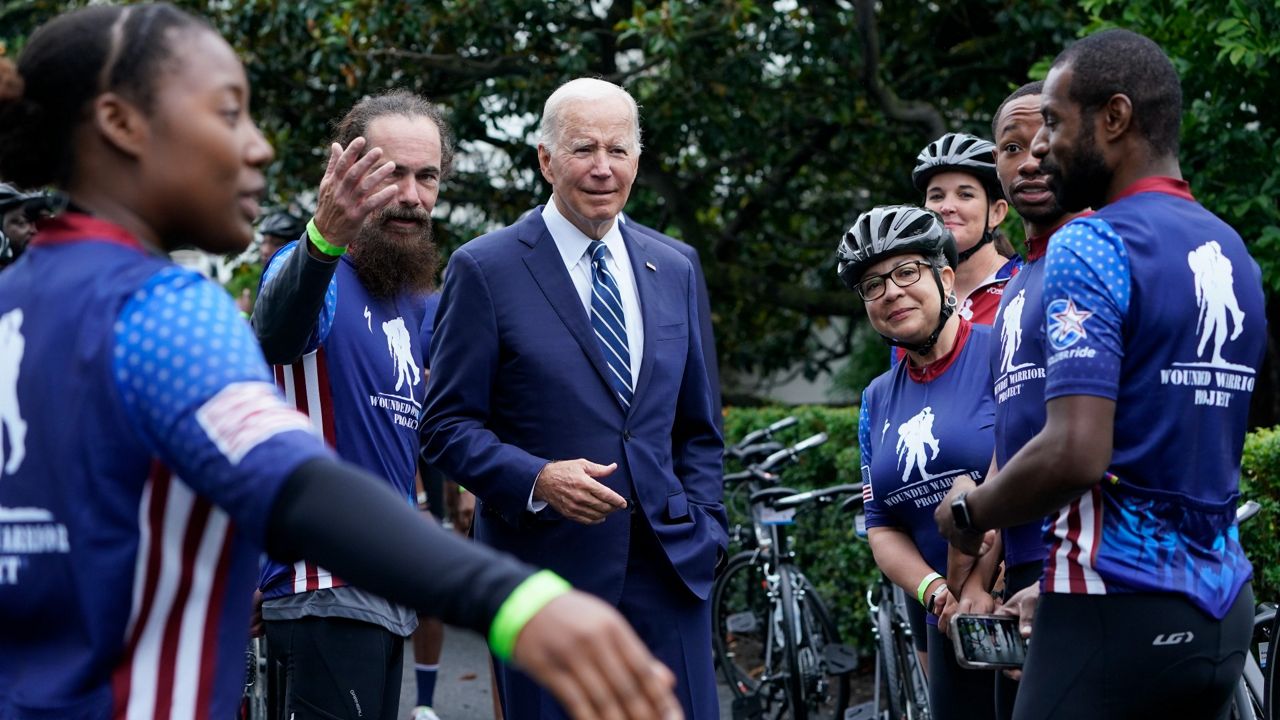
{"points": [[904, 275]]}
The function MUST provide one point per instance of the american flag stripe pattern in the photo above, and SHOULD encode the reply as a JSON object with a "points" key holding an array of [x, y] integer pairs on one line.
{"points": [[1073, 554], [305, 385], [168, 668]]}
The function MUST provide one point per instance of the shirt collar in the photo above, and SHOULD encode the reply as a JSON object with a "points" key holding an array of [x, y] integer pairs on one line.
{"points": [[76, 227], [1159, 184], [572, 242], [932, 371]]}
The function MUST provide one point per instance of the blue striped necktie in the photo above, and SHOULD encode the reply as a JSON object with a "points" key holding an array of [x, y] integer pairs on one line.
{"points": [[609, 324]]}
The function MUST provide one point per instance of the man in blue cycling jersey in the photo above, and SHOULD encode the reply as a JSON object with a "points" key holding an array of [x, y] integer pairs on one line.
{"points": [[1155, 330], [1018, 349]]}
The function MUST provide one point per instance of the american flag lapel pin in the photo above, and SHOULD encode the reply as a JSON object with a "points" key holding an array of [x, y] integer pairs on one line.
{"points": [[651, 266]]}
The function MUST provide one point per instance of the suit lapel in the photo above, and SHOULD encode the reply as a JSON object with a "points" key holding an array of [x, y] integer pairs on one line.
{"points": [[547, 267], [638, 247]]}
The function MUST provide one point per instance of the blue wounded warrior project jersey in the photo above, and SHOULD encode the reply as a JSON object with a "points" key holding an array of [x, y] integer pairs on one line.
{"points": [[142, 445], [1154, 302], [361, 383], [1018, 367], [917, 432]]}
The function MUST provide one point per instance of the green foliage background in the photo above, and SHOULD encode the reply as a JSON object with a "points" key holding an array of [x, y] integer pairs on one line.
{"points": [[768, 126], [840, 564]]}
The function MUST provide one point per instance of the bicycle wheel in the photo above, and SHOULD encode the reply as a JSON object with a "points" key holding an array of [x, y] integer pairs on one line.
{"points": [[253, 705], [1267, 659], [790, 620], [905, 681], [746, 637], [824, 663], [1242, 703], [891, 665]]}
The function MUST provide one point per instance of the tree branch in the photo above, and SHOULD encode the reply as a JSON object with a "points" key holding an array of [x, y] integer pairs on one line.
{"points": [[726, 244], [484, 68], [913, 111]]}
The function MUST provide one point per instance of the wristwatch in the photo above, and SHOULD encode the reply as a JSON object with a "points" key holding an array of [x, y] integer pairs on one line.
{"points": [[933, 599], [960, 512]]}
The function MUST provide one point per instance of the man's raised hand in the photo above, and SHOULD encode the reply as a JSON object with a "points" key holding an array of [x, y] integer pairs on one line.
{"points": [[351, 189]]}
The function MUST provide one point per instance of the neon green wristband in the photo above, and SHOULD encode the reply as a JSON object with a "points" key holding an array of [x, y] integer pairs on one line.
{"points": [[924, 585], [520, 606], [321, 244]]}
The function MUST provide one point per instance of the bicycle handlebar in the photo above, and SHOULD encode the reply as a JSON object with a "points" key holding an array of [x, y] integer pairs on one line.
{"points": [[819, 495], [763, 433], [752, 473], [788, 453]]}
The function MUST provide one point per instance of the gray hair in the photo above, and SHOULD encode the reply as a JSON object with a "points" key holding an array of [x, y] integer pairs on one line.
{"points": [[582, 89]]}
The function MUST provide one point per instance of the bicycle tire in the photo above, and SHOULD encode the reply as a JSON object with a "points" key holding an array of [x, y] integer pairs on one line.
{"points": [[826, 694], [790, 619], [1269, 672], [253, 704], [743, 638], [890, 663], [905, 678], [1242, 703]]}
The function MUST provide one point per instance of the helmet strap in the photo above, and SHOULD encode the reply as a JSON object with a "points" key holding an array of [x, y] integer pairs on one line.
{"points": [[949, 305], [988, 236]]}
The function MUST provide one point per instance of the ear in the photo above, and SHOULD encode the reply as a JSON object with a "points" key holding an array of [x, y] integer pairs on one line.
{"points": [[997, 213], [1114, 118], [544, 163], [121, 123], [947, 275]]}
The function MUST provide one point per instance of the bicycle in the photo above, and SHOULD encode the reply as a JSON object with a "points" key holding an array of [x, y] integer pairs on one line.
{"points": [[901, 689], [1253, 695], [254, 702], [776, 644], [899, 675], [754, 448]]}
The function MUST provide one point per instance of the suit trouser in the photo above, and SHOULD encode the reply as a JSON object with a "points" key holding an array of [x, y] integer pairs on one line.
{"points": [[672, 622]]}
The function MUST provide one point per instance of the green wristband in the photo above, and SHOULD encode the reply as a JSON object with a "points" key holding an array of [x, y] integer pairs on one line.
{"points": [[522, 604], [321, 244], [924, 585]]}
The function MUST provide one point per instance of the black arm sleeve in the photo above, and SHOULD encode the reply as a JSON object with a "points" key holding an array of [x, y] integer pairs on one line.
{"points": [[351, 523], [288, 307]]}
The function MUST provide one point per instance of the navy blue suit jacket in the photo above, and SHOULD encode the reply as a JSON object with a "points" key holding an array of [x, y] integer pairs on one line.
{"points": [[704, 310], [518, 380]]}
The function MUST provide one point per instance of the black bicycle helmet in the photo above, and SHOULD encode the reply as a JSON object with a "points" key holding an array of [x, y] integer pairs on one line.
{"points": [[283, 225], [891, 230], [11, 198]]}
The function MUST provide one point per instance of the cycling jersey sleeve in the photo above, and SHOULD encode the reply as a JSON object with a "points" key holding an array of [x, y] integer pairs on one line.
{"points": [[352, 523], [1086, 298], [875, 513], [194, 384], [296, 301]]}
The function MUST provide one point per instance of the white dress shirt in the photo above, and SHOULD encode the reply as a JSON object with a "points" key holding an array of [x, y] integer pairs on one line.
{"points": [[573, 245]]}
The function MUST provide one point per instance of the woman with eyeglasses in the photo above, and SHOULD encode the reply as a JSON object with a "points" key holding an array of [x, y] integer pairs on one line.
{"points": [[925, 422]]}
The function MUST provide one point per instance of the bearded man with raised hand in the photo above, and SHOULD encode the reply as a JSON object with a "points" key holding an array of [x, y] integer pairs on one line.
{"points": [[338, 316]]}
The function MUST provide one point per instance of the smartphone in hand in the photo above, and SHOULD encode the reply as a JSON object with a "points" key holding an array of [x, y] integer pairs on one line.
{"points": [[987, 641]]}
